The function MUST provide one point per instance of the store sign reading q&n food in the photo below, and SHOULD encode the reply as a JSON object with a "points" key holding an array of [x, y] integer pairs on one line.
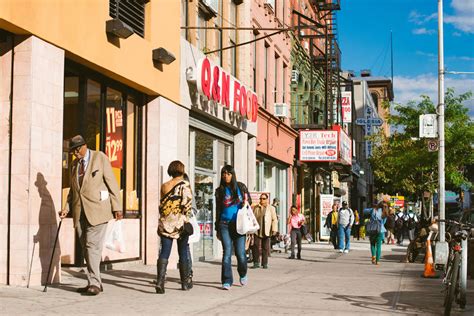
{"points": [[217, 85]]}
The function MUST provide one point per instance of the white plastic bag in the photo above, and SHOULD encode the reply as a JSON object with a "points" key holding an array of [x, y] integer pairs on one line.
{"points": [[196, 236], [114, 240], [246, 221]]}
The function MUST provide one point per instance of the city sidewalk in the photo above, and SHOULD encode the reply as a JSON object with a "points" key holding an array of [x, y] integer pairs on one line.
{"points": [[325, 282]]}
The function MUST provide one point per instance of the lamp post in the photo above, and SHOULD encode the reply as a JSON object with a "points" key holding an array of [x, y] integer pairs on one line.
{"points": [[441, 246]]}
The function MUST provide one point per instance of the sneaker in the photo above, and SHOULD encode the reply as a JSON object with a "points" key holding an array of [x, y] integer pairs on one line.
{"points": [[265, 266], [244, 281], [226, 286], [341, 250], [346, 251]]}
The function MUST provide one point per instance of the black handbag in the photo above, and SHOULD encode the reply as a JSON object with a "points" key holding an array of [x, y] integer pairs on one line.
{"points": [[188, 229], [303, 230]]}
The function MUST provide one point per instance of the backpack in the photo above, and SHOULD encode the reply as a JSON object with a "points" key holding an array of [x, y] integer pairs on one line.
{"points": [[399, 223], [411, 222], [373, 227]]}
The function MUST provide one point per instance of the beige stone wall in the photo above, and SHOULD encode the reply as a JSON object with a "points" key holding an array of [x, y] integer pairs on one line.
{"points": [[36, 158]]}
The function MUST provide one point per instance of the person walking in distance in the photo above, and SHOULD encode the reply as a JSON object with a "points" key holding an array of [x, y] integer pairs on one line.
{"points": [[295, 221], [94, 200], [344, 225], [173, 224], [331, 224], [267, 219], [230, 197], [378, 214]]}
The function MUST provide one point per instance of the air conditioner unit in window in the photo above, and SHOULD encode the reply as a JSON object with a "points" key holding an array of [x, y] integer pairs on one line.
{"points": [[295, 76], [280, 110], [212, 4]]}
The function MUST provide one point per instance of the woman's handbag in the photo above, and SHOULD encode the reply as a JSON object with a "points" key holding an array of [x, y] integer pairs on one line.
{"points": [[373, 227], [196, 235], [246, 221]]}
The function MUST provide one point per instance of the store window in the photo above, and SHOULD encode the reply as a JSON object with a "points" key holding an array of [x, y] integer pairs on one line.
{"points": [[108, 116]]}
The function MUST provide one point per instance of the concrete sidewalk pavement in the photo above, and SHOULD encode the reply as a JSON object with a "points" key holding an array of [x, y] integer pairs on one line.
{"points": [[325, 282]]}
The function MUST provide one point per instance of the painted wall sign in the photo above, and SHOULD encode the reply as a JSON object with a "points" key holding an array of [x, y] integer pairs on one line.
{"points": [[215, 84], [318, 145]]}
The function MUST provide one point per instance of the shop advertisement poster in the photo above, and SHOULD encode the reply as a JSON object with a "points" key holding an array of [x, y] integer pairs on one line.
{"points": [[346, 104], [326, 201], [114, 137], [318, 145], [345, 148]]}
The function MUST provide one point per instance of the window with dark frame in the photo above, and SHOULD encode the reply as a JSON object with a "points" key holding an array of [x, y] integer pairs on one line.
{"points": [[108, 115], [131, 13]]}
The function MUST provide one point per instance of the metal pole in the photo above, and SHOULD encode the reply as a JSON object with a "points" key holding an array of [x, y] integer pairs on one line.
{"points": [[441, 254], [441, 162]]}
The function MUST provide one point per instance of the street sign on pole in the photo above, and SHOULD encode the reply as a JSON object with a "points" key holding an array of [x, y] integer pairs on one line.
{"points": [[433, 145], [372, 121], [428, 126]]}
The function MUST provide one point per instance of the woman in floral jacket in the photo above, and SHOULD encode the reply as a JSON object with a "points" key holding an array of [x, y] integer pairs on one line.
{"points": [[175, 208]]}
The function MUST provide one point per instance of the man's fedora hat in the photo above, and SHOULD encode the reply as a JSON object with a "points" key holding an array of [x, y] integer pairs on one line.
{"points": [[75, 142]]}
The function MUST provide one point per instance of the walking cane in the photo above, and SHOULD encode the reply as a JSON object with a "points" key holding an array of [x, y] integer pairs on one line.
{"points": [[31, 265], [52, 256]]}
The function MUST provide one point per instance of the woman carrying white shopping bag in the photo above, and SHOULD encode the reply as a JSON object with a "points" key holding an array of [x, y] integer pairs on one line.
{"points": [[230, 197]]}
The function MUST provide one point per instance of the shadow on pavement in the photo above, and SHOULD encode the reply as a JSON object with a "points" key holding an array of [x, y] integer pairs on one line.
{"points": [[406, 303]]}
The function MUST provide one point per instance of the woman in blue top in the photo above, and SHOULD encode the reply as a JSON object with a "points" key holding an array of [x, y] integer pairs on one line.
{"points": [[230, 197], [379, 214]]}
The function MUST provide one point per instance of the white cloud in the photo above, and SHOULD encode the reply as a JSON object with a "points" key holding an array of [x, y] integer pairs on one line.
{"points": [[420, 19], [430, 55], [457, 34], [463, 18], [410, 88], [423, 31]]}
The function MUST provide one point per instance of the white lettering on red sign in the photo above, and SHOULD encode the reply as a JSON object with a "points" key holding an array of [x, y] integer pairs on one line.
{"points": [[217, 85]]}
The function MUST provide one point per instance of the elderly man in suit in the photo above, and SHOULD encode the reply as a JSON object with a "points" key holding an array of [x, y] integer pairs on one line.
{"points": [[94, 200], [268, 221]]}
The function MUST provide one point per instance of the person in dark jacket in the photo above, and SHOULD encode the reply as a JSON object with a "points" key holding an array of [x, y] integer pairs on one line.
{"points": [[230, 197]]}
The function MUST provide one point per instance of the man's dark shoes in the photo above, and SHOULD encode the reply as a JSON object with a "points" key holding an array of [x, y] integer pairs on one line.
{"points": [[85, 289], [93, 290], [82, 289], [255, 265], [291, 257]]}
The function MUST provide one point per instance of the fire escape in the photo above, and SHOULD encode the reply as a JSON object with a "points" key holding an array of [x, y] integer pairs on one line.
{"points": [[325, 55]]}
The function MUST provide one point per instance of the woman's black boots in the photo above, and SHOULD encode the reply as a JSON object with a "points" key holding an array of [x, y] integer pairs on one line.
{"points": [[161, 265], [185, 274]]}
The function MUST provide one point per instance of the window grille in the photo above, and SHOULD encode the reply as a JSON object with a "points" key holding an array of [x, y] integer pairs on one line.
{"points": [[131, 12]]}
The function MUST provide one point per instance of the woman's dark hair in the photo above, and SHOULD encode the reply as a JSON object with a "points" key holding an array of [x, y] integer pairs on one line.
{"points": [[265, 195], [176, 169], [293, 207], [233, 186]]}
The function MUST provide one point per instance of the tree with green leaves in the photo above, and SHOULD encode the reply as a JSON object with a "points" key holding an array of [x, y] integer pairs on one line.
{"points": [[402, 162]]}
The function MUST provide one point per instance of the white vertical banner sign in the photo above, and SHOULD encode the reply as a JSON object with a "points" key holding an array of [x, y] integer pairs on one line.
{"points": [[325, 205], [346, 103]]}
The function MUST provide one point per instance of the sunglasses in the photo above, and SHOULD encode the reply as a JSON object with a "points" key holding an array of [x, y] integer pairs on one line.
{"points": [[263, 198]]}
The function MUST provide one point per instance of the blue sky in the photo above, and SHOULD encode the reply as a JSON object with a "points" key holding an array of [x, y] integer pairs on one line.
{"points": [[364, 36]]}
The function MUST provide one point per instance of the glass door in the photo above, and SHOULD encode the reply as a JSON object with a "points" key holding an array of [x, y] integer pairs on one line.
{"points": [[204, 197]]}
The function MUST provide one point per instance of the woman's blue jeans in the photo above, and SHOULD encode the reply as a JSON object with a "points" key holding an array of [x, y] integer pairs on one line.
{"points": [[230, 238], [344, 233], [167, 243]]}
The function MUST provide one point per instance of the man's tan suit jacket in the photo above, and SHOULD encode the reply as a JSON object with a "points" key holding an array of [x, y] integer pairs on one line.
{"points": [[99, 193]]}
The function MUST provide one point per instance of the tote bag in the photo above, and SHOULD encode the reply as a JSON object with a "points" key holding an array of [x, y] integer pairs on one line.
{"points": [[196, 236], [246, 221], [373, 227]]}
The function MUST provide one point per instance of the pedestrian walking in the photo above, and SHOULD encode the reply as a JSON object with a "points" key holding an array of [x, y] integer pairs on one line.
{"points": [[356, 227], [411, 221], [378, 215], [94, 199], [331, 224], [267, 219], [295, 221], [399, 226], [390, 226], [344, 225], [230, 197], [173, 224]]}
